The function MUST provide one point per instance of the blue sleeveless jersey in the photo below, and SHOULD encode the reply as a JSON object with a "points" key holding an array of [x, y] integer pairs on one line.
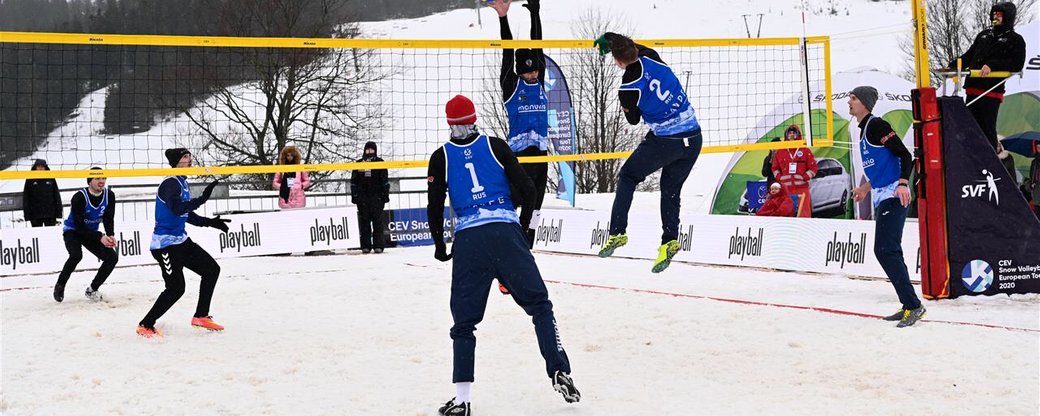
{"points": [[169, 228], [662, 100], [881, 167], [92, 218], [528, 111], [477, 185]]}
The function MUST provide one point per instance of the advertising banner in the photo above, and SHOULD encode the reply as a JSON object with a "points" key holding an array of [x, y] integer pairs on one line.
{"points": [[798, 244], [994, 239], [41, 250], [411, 227], [561, 127]]}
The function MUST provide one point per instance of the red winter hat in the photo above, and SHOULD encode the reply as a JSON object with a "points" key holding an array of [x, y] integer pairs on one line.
{"points": [[460, 111]]}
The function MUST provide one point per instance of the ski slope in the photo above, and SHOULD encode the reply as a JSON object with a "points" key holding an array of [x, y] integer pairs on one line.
{"points": [[368, 334]]}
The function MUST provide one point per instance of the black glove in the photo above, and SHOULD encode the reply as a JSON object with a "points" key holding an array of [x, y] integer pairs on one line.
{"points": [[532, 5], [529, 233], [209, 190], [441, 252], [218, 223]]}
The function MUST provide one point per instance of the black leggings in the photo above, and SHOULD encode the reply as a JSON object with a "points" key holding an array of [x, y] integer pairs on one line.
{"points": [[74, 244], [173, 260]]}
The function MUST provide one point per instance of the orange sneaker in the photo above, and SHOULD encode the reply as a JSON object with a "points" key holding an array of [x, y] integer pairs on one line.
{"points": [[148, 332], [206, 322]]}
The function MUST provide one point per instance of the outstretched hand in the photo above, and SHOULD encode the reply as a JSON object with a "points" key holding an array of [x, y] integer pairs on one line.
{"points": [[501, 6], [209, 189], [219, 223]]}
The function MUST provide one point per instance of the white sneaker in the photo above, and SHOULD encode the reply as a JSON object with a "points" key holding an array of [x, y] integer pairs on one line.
{"points": [[93, 295]]}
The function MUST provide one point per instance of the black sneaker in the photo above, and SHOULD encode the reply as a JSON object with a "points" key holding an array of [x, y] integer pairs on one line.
{"points": [[911, 316], [59, 292], [563, 384], [93, 295], [366, 250], [378, 250], [895, 316], [454, 409]]}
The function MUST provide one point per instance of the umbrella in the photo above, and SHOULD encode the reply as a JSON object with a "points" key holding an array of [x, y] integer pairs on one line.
{"points": [[1026, 144]]}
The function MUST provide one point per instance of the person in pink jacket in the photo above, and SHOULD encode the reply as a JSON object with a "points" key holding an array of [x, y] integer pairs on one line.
{"points": [[290, 185]]}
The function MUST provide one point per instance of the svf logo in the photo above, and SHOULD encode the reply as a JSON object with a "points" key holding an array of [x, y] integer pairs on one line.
{"points": [[983, 188]]}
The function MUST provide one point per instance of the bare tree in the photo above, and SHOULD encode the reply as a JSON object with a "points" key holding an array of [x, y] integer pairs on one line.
{"points": [[323, 101], [600, 125]]}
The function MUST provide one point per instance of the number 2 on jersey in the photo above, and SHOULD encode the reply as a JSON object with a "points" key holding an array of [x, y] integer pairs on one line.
{"points": [[473, 175], [655, 86]]}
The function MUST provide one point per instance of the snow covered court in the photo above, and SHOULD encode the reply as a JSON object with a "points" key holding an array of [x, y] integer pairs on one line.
{"points": [[357, 334]]}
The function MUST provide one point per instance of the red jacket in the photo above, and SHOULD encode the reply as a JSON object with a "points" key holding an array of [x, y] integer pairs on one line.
{"points": [[801, 159], [779, 205]]}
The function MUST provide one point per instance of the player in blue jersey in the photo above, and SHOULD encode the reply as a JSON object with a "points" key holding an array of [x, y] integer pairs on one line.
{"points": [[174, 251], [651, 92], [523, 93], [477, 173], [91, 207], [887, 164]]}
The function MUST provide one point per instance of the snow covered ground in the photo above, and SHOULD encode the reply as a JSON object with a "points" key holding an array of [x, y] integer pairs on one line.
{"points": [[353, 334]]}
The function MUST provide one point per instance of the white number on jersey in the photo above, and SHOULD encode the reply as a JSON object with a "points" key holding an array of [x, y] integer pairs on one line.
{"points": [[473, 175]]}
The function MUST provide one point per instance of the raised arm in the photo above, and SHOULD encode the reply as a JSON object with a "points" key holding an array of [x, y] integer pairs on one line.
{"points": [[508, 77]]}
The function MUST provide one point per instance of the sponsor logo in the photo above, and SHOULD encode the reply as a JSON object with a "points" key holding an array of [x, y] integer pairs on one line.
{"points": [[129, 246], [1034, 63], [977, 276], [468, 153], [329, 233], [983, 188], [600, 235], [848, 251], [551, 233], [20, 254], [919, 260], [529, 108], [686, 239], [746, 245], [240, 239]]}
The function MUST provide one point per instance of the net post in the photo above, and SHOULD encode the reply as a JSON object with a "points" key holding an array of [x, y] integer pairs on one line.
{"points": [[806, 94], [931, 187]]}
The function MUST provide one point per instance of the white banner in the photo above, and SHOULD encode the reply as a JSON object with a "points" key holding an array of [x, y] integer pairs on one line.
{"points": [[42, 250], [798, 244]]}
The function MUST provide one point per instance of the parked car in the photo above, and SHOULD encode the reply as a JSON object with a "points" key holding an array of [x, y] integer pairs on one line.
{"points": [[830, 188]]}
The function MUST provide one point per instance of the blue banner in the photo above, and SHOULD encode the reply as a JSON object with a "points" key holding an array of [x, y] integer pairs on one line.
{"points": [[561, 127], [756, 195], [411, 227]]}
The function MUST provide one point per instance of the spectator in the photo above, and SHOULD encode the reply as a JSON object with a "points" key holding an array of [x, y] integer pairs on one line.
{"points": [[793, 168], [997, 48], [1007, 161], [370, 191], [767, 164], [778, 203], [290, 185], [41, 201]]}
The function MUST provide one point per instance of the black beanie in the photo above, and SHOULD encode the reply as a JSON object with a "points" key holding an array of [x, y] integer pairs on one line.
{"points": [[526, 61], [93, 168], [371, 145], [175, 155]]}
